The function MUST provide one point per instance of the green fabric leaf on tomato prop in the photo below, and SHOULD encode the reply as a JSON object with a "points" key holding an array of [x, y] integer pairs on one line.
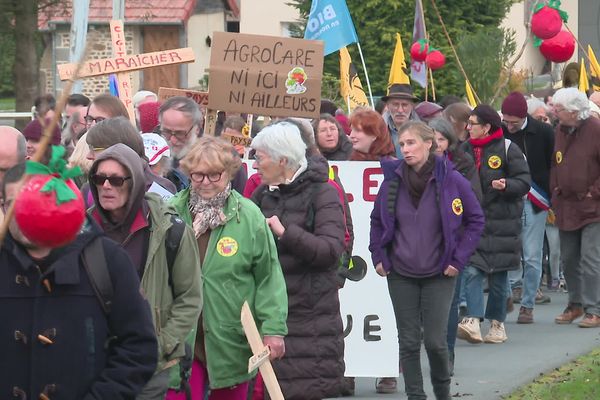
{"points": [[419, 49], [50, 209]]}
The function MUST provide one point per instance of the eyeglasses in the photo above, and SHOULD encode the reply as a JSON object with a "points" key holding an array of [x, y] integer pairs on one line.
{"points": [[512, 122], [96, 149], [180, 135], [199, 177], [89, 119], [469, 123], [542, 118], [115, 181]]}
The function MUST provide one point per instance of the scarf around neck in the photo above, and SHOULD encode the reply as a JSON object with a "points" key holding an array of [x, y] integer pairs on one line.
{"points": [[479, 144], [208, 213]]}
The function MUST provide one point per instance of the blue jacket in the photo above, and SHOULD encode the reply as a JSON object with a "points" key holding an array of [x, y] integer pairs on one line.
{"points": [[462, 216], [92, 355]]}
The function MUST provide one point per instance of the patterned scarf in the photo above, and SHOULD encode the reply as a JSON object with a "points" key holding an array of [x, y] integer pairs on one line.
{"points": [[208, 213]]}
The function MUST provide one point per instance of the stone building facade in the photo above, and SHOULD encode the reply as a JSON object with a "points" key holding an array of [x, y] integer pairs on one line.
{"points": [[100, 46]]}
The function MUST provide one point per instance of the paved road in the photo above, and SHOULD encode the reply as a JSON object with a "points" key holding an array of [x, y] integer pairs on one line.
{"points": [[488, 371]]}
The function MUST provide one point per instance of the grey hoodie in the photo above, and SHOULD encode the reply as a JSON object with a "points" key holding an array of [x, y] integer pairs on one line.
{"points": [[120, 230]]}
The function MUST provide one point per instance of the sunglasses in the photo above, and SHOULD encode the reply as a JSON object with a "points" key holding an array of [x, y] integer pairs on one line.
{"points": [[115, 181]]}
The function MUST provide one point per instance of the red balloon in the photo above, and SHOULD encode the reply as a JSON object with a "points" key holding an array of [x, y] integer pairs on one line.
{"points": [[560, 48], [435, 60], [418, 51], [44, 222], [546, 23]]}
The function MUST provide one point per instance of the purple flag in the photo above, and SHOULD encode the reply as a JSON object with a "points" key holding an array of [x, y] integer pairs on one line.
{"points": [[418, 70]]}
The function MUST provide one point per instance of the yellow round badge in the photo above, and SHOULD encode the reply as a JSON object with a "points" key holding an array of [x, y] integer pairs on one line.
{"points": [[558, 157], [227, 246], [494, 162], [457, 206]]}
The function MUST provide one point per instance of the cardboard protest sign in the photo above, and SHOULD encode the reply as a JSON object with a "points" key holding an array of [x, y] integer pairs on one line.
{"points": [[201, 98], [129, 62], [265, 75], [117, 35]]}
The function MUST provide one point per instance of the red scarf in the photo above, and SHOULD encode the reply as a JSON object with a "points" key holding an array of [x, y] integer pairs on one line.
{"points": [[479, 144]]}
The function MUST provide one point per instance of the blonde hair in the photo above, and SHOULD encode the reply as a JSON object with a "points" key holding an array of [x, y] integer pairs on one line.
{"points": [[420, 129], [215, 152], [79, 156]]}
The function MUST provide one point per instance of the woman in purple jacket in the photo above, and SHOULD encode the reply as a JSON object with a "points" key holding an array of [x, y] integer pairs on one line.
{"points": [[425, 225]]}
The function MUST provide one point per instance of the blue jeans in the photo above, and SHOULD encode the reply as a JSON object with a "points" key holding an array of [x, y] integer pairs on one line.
{"points": [[528, 276], [496, 302]]}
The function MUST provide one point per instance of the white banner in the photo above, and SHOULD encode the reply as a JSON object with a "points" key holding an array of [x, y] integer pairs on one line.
{"points": [[370, 332]]}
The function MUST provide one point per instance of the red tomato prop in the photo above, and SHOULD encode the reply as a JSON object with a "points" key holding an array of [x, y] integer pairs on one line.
{"points": [[418, 50], [50, 210], [546, 22], [560, 48], [435, 60]]}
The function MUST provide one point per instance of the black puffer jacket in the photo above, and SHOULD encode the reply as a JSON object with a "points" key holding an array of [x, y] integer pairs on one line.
{"points": [[309, 250], [500, 246]]}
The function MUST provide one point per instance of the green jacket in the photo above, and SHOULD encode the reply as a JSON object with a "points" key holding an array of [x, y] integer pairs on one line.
{"points": [[241, 264], [173, 318]]}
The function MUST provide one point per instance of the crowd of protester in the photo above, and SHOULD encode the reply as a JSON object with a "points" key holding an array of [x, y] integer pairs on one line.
{"points": [[468, 199]]}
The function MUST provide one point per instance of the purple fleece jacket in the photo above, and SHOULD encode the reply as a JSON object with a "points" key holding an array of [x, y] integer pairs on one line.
{"points": [[461, 213]]}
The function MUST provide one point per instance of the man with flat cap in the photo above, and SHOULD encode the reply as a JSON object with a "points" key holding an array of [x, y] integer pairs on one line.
{"points": [[400, 103]]}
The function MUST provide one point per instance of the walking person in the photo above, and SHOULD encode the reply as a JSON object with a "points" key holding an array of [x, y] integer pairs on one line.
{"points": [[425, 225], [536, 141], [575, 184], [505, 179]]}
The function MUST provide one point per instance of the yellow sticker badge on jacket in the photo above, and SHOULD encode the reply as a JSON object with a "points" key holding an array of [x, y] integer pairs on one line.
{"points": [[457, 206], [494, 162], [227, 246], [558, 157]]}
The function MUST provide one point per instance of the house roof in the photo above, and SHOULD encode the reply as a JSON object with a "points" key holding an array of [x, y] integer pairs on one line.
{"points": [[165, 12]]}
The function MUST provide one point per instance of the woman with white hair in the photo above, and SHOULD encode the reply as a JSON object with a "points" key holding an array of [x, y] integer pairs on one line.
{"points": [[575, 186], [305, 215], [538, 110]]}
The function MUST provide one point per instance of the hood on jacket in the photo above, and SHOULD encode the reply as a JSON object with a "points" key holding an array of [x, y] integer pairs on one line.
{"points": [[134, 165]]}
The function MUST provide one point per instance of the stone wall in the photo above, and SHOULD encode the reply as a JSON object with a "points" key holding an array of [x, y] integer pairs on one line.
{"points": [[101, 47]]}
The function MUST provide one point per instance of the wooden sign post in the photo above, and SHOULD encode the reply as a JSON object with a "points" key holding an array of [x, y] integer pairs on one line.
{"points": [[117, 35], [260, 358], [123, 63]]}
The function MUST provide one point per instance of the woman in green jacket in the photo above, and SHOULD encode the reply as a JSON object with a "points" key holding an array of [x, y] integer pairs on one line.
{"points": [[239, 263]]}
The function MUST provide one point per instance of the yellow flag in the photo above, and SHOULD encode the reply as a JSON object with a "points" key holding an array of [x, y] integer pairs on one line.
{"points": [[398, 70], [470, 96], [584, 85], [594, 69], [350, 86]]}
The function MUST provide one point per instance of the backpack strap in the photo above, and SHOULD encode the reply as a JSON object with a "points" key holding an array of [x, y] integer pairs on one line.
{"points": [[392, 196], [94, 261], [172, 241]]}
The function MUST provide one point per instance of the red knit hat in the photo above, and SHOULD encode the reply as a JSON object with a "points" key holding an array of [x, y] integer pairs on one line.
{"points": [[33, 131], [148, 116], [515, 105]]}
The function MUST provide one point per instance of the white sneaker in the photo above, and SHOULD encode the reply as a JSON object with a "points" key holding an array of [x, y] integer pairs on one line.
{"points": [[469, 330], [497, 333]]}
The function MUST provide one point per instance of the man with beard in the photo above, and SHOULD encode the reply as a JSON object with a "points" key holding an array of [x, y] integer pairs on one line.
{"points": [[180, 119], [400, 103]]}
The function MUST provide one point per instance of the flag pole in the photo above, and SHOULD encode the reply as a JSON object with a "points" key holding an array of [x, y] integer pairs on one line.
{"points": [[362, 59], [348, 101], [432, 84]]}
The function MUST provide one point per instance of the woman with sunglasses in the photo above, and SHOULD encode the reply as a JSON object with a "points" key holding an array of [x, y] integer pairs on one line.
{"points": [[140, 223], [505, 179], [239, 263]]}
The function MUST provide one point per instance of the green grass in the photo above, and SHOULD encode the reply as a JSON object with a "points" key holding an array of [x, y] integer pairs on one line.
{"points": [[577, 380], [7, 103]]}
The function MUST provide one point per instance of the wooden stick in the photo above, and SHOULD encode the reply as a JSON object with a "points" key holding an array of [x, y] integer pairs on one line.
{"points": [[432, 84], [257, 346], [583, 50], [47, 134], [460, 66]]}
